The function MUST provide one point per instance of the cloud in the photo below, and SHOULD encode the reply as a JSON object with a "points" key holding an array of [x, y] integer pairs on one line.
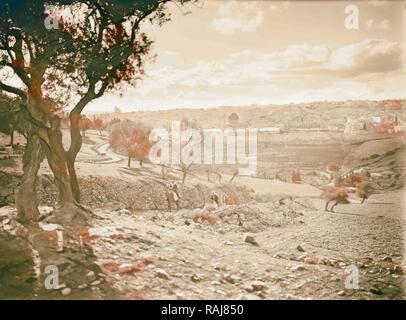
{"points": [[382, 25], [369, 56], [238, 16], [250, 68], [377, 3], [370, 69], [279, 6]]}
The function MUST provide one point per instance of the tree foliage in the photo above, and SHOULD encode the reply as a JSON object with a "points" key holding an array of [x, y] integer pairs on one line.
{"points": [[132, 139]]}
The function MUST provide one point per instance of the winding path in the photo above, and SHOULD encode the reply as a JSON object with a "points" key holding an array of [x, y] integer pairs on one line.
{"points": [[104, 149]]}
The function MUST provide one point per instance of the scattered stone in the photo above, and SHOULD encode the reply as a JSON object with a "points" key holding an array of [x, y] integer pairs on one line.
{"points": [[95, 283], [111, 266], [8, 211], [387, 259], [302, 257], [131, 267], [82, 286], [376, 289], [258, 285], [396, 270], [250, 297], [124, 212], [45, 211], [221, 292], [341, 293], [300, 248], [60, 286], [66, 291], [251, 240], [103, 232], [50, 226], [161, 273], [309, 260], [248, 288], [232, 278], [196, 278], [295, 267], [403, 269], [90, 274]]}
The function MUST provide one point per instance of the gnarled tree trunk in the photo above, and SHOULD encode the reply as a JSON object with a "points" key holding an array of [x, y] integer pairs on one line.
{"points": [[57, 159], [26, 199], [75, 146]]}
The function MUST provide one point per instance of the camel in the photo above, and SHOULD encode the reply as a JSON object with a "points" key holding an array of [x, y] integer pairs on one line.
{"points": [[336, 194], [341, 188]]}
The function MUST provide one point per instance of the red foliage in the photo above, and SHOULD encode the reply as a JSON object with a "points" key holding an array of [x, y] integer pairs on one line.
{"points": [[391, 105], [85, 124], [111, 266], [134, 141], [339, 194], [296, 178], [83, 235], [352, 180], [137, 294], [134, 267], [385, 127], [210, 218], [114, 34], [344, 186], [230, 200], [333, 167], [98, 124]]}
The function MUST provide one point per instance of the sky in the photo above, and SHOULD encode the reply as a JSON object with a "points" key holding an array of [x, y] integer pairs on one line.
{"points": [[242, 53]]}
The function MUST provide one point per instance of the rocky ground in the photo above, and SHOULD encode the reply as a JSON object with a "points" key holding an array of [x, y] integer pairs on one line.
{"points": [[277, 243], [299, 252], [289, 249]]}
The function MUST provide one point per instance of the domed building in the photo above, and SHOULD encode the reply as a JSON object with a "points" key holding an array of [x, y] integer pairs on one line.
{"points": [[233, 119]]}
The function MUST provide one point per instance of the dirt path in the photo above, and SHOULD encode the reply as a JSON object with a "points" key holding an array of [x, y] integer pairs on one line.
{"points": [[202, 261], [277, 187]]}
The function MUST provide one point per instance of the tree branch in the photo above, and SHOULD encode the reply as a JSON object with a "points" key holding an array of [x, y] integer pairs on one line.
{"points": [[13, 90]]}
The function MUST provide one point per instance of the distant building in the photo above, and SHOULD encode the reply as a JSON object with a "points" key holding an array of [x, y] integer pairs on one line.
{"points": [[233, 119], [391, 105], [354, 126], [270, 130]]}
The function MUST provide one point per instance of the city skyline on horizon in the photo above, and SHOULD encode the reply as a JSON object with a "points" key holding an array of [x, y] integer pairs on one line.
{"points": [[88, 112]]}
